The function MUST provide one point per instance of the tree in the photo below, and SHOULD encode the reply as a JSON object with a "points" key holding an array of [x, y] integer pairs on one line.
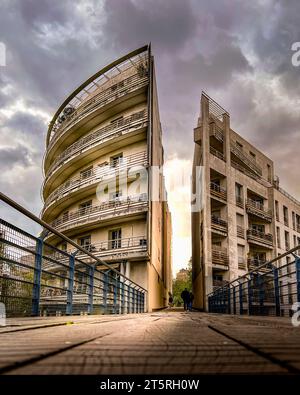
{"points": [[179, 284]]}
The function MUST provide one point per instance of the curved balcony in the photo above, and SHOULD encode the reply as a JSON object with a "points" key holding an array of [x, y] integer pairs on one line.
{"points": [[84, 145], [84, 112], [112, 209], [220, 257], [217, 191], [93, 177], [219, 225], [245, 158]]}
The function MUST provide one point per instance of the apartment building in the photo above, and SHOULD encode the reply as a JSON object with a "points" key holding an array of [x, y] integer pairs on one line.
{"points": [[98, 190], [241, 217]]}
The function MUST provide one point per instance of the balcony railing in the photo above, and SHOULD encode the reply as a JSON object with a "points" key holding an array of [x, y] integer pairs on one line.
{"points": [[257, 208], [216, 131], [95, 176], [103, 98], [245, 158], [117, 247], [220, 256], [118, 128], [217, 153], [218, 191], [260, 237], [218, 224], [254, 263], [116, 207], [240, 231]]}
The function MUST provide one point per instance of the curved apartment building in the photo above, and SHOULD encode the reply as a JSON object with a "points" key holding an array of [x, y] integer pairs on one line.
{"points": [[98, 189]]}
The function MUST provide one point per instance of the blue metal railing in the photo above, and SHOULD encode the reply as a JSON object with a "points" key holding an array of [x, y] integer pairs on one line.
{"points": [[37, 278], [270, 289]]}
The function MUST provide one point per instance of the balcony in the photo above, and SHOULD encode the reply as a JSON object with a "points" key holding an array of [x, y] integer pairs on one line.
{"points": [[116, 249], [220, 257], [257, 209], [254, 263], [219, 225], [219, 283], [240, 231], [70, 118], [217, 153], [217, 191], [245, 158], [115, 129], [260, 238], [216, 132], [95, 176], [94, 214]]}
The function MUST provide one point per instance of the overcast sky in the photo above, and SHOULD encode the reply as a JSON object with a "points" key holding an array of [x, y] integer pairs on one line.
{"points": [[239, 52]]}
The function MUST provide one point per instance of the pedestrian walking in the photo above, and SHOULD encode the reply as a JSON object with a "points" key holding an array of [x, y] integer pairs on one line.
{"points": [[191, 301], [185, 295]]}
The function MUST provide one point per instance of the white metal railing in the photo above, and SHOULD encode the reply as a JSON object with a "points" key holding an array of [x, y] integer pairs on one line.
{"points": [[103, 98], [96, 176], [119, 127], [119, 206]]}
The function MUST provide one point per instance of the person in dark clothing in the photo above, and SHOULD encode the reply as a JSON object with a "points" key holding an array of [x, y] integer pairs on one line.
{"points": [[191, 301], [185, 295]]}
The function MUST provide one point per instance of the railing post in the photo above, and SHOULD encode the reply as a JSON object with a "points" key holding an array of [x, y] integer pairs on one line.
{"points": [[234, 300], [250, 295], [36, 291], [115, 294], [229, 300], [143, 302], [122, 297], [241, 298], [91, 289], [297, 263], [276, 291], [105, 289], [70, 291], [261, 294]]}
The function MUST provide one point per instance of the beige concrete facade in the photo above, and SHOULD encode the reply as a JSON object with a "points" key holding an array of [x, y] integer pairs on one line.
{"points": [[240, 216], [101, 144]]}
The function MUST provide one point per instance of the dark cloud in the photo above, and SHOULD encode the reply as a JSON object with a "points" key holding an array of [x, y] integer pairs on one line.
{"points": [[238, 51]]}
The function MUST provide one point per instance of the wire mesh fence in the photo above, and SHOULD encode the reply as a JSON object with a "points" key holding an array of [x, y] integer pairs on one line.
{"points": [[37, 278], [272, 289]]}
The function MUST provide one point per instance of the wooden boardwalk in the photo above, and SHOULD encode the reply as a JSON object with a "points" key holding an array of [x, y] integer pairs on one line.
{"points": [[167, 342]]}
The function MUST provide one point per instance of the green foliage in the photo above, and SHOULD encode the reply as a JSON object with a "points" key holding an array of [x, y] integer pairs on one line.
{"points": [[179, 285]]}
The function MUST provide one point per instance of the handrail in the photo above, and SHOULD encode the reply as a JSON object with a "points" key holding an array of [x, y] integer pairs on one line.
{"points": [[100, 99], [95, 175], [50, 228], [244, 276], [95, 137]]}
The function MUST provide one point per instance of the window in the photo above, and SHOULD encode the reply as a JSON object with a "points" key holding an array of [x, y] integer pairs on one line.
{"points": [[278, 236], [295, 241], [116, 160], [287, 240], [285, 216], [86, 173], [85, 241], [258, 227], [239, 194], [85, 207], [115, 236], [241, 257], [63, 246], [277, 210], [297, 223], [294, 220]]}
